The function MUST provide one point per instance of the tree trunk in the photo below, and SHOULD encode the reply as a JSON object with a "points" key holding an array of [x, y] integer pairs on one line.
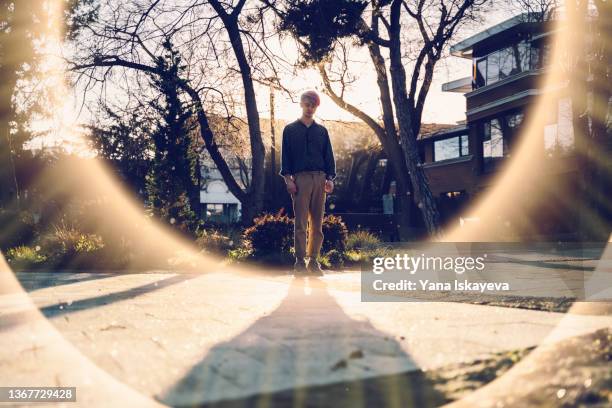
{"points": [[248, 213], [390, 142], [272, 137], [213, 149], [387, 136], [409, 123], [256, 191]]}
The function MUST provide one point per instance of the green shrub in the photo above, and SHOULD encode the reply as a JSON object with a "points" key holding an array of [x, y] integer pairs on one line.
{"points": [[238, 255], [324, 261], [214, 241], [334, 234], [25, 257], [233, 231], [58, 245], [352, 256], [70, 240], [270, 234], [335, 258], [88, 243], [90, 252], [270, 239], [362, 240], [68, 247], [64, 238]]}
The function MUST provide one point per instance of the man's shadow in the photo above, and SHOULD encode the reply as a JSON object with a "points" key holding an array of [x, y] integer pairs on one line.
{"points": [[307, 352]]}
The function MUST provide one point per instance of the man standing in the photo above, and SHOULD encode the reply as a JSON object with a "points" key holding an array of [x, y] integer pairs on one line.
{"points": [[309, 168]]}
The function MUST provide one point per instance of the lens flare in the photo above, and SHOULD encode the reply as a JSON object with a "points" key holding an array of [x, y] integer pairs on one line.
{"points": [[521, 194]]}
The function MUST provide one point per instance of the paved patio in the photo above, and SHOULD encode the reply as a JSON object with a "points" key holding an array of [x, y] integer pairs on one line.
{"points": [[190, 339]]}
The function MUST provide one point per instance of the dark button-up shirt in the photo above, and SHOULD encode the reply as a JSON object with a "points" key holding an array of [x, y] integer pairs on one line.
{"points": [[307, 148]]}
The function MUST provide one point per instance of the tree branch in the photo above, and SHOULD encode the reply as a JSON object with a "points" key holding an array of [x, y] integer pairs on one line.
{"points": [[345, 105]]}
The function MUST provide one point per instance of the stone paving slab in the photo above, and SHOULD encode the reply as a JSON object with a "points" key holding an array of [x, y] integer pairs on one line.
{"points": [[191, 338]]}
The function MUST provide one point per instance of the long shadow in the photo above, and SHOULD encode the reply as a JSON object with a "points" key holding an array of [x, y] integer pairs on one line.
{"points": [[62, 308], [31, 281], [58, 309], [306, 353]]}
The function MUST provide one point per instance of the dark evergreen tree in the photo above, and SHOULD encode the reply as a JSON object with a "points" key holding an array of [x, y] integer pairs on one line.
{"points": [[172, 184], [127, 147], [321, 23]]}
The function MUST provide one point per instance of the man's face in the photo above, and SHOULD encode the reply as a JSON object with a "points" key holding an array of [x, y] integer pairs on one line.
{"points": [[308, 107]]}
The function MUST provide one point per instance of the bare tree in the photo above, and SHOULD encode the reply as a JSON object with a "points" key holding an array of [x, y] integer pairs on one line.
{"points": [[214, 48], [385, 132], [416, 34], [533, 10]]}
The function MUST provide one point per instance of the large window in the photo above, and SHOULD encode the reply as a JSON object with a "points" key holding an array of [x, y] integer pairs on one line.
{"points": [[506, 62], [492, 142], [451, 148], [492, 68], [497, 136], [481, 73], [540, 54]]}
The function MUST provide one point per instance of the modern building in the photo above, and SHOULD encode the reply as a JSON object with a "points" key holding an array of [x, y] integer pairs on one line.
{"points": [[509, 62]]}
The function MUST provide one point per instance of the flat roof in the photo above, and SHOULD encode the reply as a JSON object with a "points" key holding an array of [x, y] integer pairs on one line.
{"points": [[464, 48]]}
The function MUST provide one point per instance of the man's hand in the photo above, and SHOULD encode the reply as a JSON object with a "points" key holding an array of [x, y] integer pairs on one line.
{"points": [[291, 186], [329, 186]]}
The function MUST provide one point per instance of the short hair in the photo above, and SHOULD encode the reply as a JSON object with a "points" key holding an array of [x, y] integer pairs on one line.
{"points": [[312, 96]]}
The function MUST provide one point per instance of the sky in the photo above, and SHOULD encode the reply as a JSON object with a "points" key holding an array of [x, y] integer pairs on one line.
{"points": [[440, 107]]}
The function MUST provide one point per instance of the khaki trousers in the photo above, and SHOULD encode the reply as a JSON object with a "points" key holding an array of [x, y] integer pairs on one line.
{"points": [[309, 207]]}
